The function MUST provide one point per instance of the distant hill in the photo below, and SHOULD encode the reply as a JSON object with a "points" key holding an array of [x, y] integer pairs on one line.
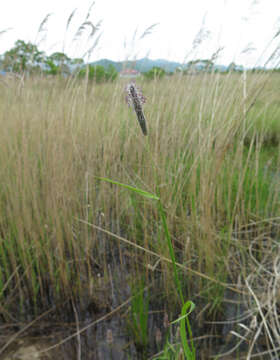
{"points": [[141, 65], [146, 64]]}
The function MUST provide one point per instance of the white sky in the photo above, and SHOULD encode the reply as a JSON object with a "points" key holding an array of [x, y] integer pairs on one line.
{"points": [[232, 24]]}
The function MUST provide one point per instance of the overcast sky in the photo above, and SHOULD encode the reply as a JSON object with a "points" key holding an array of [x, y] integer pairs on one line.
{"points": [[241, 28]]}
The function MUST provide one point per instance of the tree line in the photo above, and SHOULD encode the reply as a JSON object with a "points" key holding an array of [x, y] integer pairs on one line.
{"points": [[25, 57]]}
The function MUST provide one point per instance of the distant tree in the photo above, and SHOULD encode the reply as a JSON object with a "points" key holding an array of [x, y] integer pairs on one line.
{"points": [[59, 58], [179, 70], [51, 68], [199, 65], [155, 73], [23, 57], [76, 65], [58, 63], [111, 73], [209, 65], [77, 61], [98, 73], [232, 66]]}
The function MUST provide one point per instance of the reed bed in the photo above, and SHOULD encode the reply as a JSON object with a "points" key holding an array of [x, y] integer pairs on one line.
{"points": [[210, 155]]}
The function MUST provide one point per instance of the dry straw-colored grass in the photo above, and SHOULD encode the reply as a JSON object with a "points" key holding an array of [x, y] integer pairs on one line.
{"points": [[202, 156]]}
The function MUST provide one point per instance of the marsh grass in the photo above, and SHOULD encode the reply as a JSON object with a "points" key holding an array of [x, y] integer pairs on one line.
{"points": [[205, 157], [138, 322]]}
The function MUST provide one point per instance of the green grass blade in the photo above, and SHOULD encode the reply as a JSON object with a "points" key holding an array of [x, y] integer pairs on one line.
{"points": [[189, 353], [136, 190], [182, 317]]}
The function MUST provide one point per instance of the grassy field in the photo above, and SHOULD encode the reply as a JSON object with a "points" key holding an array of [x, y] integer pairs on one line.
{"points": [[211, 156]]}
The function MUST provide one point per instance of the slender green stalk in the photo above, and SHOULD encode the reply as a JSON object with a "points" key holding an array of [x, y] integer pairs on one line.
{"points": [[171, 251], [189, 353], [187, 308]]}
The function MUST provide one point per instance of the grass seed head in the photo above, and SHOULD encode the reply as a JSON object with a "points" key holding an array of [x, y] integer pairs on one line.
{"points": [[136, 99]]}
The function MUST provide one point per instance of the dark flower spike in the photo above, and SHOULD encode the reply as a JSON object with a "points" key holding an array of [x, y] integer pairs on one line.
{"points": [[137, 99]]}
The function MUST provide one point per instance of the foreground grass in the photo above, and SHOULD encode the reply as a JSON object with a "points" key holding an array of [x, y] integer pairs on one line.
{"points": [[211, 156]]}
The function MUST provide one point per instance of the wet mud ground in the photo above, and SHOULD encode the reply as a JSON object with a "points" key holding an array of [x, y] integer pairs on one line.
{"points": [[98, 329]]}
